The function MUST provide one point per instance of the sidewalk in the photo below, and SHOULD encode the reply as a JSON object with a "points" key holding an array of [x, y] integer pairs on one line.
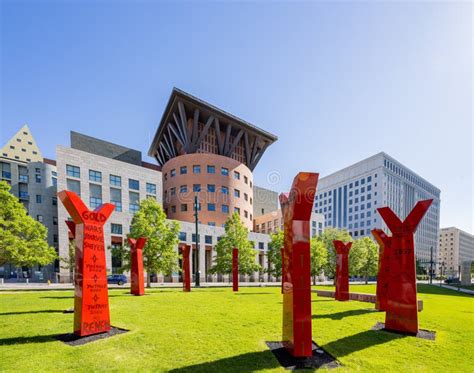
{"points": [[461, 290]]}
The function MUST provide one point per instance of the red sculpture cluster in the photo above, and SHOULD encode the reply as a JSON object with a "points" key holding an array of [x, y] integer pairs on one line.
{"points": [[235, 269], [402, 306], [383, 277], [296, 208], [186, 250], [91, 303], [342, 269], [136, 265]]}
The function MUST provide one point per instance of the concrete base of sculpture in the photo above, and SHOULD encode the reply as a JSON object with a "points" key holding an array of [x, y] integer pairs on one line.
{"points": [[422, 333], [72, 339]]}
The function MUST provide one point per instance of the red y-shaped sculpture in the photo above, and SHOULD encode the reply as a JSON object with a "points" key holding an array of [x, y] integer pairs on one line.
{"points": [[235, 269], [91, 302], [136, 265], [402, 307], [186, 250], [385, 243], [342, 269], [296, 208]]}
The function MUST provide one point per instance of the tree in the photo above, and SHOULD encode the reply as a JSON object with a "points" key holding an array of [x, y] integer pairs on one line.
{"points": [[69, 262], [364, 258], [329, 235], [235, 236], [319, 257], [23, 240], [274, 253], [159, 254]]}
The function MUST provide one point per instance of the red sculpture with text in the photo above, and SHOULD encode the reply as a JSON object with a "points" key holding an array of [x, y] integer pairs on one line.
{"points": [[235, 269], [402, 306], [385, 244], [91, 303], [296, 270], [186, 250], [342, 269], [136, 265]]}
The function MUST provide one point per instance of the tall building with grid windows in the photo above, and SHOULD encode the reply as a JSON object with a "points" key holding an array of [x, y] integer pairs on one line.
{"points": [[349, 199]]}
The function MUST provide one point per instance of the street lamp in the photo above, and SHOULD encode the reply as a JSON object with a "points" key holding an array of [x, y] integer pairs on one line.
{"points": [[196, 220]]}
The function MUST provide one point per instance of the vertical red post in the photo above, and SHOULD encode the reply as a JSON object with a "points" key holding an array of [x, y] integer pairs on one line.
{"points": [[342, 269], [235, 269], [91, 303], [402, 306], [186, 250], [136, 265], [385, 243], [282, 252], [296, 208]]}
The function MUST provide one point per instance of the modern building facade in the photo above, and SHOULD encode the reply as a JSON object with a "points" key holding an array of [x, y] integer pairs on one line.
{"points": [[349, 199], [273, 221], [455, 248], [265, 201]]}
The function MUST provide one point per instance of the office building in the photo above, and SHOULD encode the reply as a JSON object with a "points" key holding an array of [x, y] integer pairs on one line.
{"points": [[455, 248], [273, 221]]}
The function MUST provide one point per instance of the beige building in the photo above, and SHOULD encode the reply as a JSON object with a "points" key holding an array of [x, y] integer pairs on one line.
{"points": [[273, 221], [455, 247]]}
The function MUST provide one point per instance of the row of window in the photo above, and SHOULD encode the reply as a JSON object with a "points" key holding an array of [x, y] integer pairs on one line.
{"points": [[211, 188], [183, 170], [408, 176], [210, 207], [41, 219], [209, 239]]}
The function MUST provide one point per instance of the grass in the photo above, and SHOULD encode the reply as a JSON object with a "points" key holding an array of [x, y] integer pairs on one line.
{"points": [[215, 330]]}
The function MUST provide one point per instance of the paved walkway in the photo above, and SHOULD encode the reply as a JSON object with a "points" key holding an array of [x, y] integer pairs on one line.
{"points": [[467, 291]]}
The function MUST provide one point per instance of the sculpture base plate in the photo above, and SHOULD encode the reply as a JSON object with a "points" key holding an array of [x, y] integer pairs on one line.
{"points": [[422, 333], [320, 358], [73, 339]]}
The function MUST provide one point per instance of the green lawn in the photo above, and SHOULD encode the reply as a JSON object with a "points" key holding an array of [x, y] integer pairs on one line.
{"points": [[215, 330]]}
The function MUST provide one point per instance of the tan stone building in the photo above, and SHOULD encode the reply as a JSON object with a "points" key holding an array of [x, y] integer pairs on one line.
{"points": [[273, 221], [455, 247]]}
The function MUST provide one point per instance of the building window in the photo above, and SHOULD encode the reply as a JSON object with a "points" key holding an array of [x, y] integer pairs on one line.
{"points": [[134, 199], [182, 236], [183, 189], [196, 188], [173, 209], [38, 178], [224, 171], [246, 180], [55, 220], [184, 207], [54, 201], [173, 173], [246, 214], [116, 198], [225, 209], [183, 170], [172, 191], [211, 188], [133, 184], [236, 193], [95, 176], [211, 207], [246, 196], [116, 228], [196, 169], [237, 210], [211, 224], [236, 175], [73, 171], [151, 188], [39, 218], [115, 180], [211, 169], [39, 199], [261, 246], [54, 181], [73, 186], [22, 178], [208, 239], [224, 190], [95, 199]]}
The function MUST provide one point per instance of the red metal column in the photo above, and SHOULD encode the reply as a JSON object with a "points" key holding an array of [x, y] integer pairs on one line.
{"points": [[342, 269], [235, 269], [296, 270], [282, 252], [385, 243], [136, 265], [186, 250], [91, 303], [402, 306]]}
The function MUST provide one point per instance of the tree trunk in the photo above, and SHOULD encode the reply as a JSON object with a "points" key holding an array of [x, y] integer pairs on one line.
{"points": [[366, 280], [148, 280], [314, 280]]}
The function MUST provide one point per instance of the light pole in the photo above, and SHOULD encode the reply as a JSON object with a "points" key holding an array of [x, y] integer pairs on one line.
{"points": [[196, 220], [431, 265]]}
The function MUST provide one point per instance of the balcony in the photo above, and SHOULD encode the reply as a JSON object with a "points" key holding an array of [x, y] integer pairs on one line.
{"points": [[23, 178], [23, 196], [6, 175]]}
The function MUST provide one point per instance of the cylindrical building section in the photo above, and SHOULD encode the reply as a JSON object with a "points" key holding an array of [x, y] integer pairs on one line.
{"points": [[222, 184]]}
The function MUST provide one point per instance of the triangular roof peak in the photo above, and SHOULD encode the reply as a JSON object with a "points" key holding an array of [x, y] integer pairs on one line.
{"points": [[22, 147]]}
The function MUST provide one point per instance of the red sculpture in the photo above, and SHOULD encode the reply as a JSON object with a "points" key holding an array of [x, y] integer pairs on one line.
{"points": [[186, 249], [235, 269], [282, 251], [136, 265], [296, 208], [91, 302], [342, 269], [385, 243], [402, 312]]}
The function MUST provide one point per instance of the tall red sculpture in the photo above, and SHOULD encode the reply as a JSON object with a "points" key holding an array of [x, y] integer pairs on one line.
{"points": [[385, 243], [91, 303], [402, 307], [186, 250], [136, 265], [342, 269], [235, 269], [296, 208]]}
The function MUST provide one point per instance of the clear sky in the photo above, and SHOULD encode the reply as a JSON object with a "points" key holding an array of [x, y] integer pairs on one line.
{"points": [[335, 81]]}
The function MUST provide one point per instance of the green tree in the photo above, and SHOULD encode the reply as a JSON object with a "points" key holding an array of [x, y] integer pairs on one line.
{"points": [[363, 258], [274, 253], [159, 254], [69, 262], [236, 235], [319, 257], [23, 240], [330, 234]]}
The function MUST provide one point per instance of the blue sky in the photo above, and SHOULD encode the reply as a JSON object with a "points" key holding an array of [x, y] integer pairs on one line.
{"points": [[336, 82]]}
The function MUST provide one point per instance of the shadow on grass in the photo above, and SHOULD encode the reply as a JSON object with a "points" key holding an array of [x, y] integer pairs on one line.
{"points": [[343, 314], [360, 341], [254, 293], [30, 312], [249, 362], [26, 340]]}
